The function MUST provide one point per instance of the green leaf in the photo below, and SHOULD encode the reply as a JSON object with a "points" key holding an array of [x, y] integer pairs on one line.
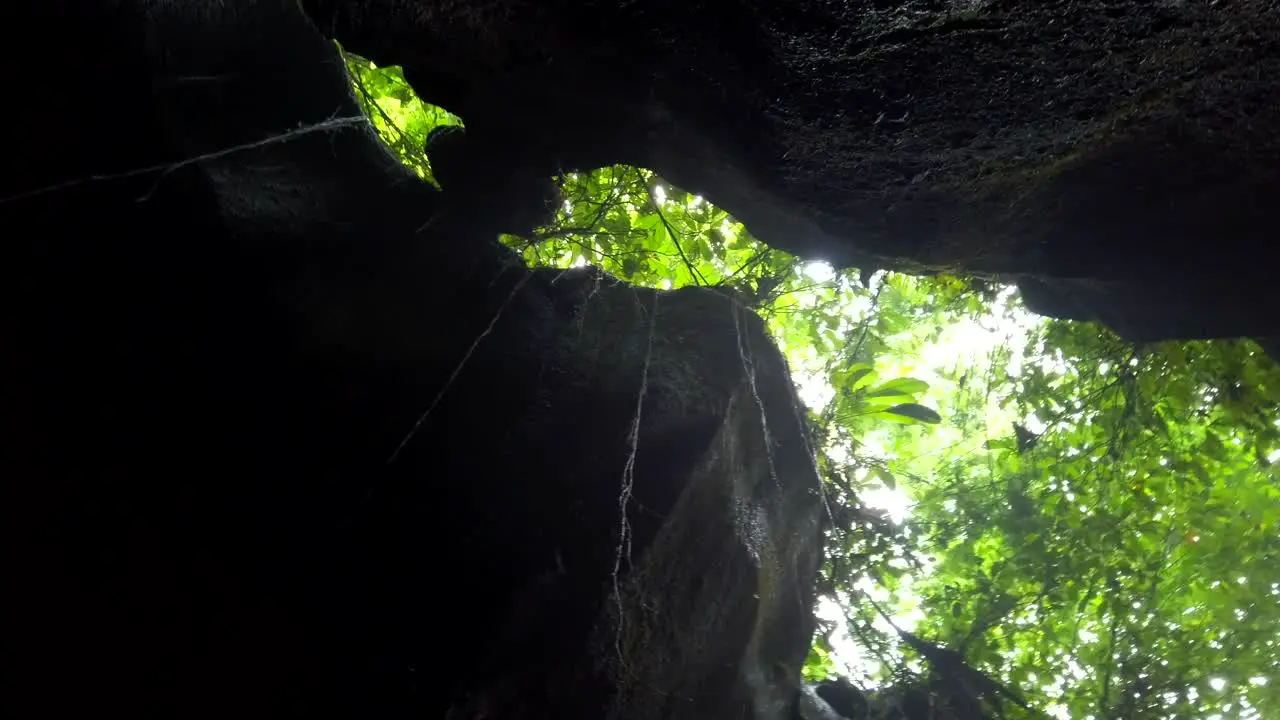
{"points": [[899, 386], [915, 412], [1004, 443], [859, 375]]}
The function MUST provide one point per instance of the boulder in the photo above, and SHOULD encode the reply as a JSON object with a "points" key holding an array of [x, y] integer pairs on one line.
{"points": [[286, 434]]}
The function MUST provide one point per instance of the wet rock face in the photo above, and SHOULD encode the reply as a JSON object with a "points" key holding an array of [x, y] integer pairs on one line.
{"points": [[1124, 152], [272, 450]]}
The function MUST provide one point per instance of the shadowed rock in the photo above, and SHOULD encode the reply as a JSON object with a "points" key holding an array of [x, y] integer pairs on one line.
{"points": [[1119, 158], [271, 448]]}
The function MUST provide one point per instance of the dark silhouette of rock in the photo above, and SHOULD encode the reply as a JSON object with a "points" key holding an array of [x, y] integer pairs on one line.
{"points": [[284, 433], [282, 437], [842, 696], [1118, 159]]}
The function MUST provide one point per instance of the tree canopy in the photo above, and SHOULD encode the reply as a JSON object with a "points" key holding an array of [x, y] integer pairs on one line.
{"points": [[1091, 522]]}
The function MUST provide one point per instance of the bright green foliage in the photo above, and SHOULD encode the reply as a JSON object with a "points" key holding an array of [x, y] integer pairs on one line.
{"points": [[1133, 534], [1094, 524], [397, 114]]}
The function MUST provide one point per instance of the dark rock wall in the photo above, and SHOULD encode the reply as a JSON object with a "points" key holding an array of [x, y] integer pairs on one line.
{"points": [[285, 435], [1125, 152]]}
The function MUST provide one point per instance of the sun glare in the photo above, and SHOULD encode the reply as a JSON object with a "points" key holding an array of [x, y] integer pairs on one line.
{"points": [[818, 271], [894, 503]]}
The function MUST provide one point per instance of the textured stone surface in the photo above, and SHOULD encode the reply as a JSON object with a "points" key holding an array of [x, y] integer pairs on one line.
{"points": [[1120, 156], [272, 449]]}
